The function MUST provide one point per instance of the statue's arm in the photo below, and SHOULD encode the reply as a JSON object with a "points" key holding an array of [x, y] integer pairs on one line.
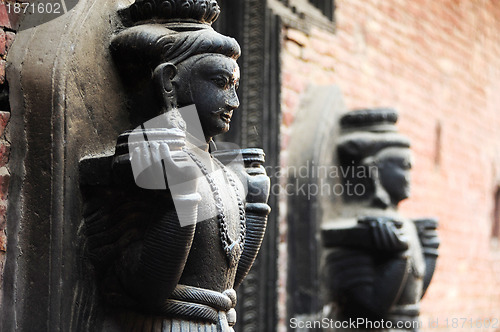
{"points": [[156, 265], [153, 266], [366, 282], [429, 240], [257, 212], [360, 285]]}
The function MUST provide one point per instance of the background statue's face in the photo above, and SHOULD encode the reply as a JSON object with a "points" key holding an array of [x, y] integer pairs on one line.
{"points": [[210, 82], [394, 165]]}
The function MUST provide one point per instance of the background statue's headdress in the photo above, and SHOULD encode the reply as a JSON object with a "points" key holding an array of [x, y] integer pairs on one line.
{"points": [[171, 11], [370, 120], [365, 132]]}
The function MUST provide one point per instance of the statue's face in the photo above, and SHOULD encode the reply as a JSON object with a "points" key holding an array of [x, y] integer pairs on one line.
{"points": [[394, 165], [212, 81]]}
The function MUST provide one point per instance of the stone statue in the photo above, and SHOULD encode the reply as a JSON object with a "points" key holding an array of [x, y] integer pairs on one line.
{"points": [[175, 226], [377, 264]]}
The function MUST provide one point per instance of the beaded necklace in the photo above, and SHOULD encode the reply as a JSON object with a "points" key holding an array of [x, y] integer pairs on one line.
{"points": [[228, 244]]}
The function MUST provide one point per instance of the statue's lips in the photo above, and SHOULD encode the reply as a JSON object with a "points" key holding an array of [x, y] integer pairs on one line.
{"points": [[226, 116]]}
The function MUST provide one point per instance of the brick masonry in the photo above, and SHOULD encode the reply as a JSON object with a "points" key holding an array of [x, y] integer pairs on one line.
{"points": [[8, 26], [438, 63]]}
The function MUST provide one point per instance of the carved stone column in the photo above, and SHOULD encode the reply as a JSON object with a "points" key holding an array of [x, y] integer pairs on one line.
{"points": [[258, 30], [67, 103], [311, 149]]}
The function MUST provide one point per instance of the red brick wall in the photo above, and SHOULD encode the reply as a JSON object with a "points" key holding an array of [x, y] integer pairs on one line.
{"points": [[8, 24], [437, 62]]}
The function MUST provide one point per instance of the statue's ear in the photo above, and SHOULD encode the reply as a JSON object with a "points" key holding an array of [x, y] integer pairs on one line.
{"points": [[369, 161], [163, 76]]}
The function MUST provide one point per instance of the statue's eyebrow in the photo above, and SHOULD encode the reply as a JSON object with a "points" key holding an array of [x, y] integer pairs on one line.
{"points": [[218, 71]]}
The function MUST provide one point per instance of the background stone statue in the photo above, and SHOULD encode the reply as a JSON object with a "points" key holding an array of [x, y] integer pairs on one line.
{"points": [[376, 263], [169, 259]]}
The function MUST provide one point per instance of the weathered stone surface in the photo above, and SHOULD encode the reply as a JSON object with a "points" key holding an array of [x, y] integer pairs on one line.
{"points": [[65, 109], [9, 39]]}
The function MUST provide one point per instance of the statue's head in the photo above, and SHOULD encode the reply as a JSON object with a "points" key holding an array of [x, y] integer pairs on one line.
{"points": [[370, 141], [174, 54], [393, 167]]}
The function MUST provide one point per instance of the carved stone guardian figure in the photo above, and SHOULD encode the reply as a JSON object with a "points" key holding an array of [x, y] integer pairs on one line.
{"points": [[377, 264], [174, 226]]}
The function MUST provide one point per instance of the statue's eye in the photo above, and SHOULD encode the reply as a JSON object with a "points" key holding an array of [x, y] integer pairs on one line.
{"points": [[406, 165], [220, 81]]}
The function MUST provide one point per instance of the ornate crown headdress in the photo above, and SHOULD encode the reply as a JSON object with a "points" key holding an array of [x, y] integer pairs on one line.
{"points": [[175, 11], [368, 131], [370, 119]]}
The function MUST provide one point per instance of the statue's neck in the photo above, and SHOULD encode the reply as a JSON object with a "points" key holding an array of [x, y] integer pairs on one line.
{"points": [[384, 202], [203, 145]]}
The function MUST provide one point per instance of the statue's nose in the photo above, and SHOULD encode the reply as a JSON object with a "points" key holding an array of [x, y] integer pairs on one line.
{"points": [[233, 102]]}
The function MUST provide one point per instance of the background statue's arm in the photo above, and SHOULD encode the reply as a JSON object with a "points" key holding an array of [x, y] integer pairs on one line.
{"points": [[428, 236], [359, 285], [366, 282]]}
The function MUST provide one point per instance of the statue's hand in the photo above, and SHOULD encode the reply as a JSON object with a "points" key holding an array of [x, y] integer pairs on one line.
{"points": [[427, 233], [160, 162], [387, 233], [258, 185]]}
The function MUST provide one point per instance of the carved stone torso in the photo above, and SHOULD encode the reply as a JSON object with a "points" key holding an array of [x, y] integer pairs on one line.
{"points": [[415, 260], [207, 265]]}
